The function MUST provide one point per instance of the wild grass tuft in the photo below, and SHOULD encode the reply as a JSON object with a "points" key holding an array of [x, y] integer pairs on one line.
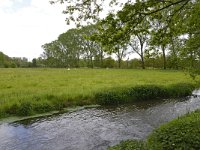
{"points": [[143, 92]]}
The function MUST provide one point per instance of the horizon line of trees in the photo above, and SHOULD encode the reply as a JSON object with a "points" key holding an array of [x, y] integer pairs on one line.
{"points": [[150, 28], [84, 47], [15, 62], [106, 62]]}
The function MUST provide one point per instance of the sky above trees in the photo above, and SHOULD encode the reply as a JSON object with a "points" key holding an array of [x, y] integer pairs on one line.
{"points": [[28, 24]]}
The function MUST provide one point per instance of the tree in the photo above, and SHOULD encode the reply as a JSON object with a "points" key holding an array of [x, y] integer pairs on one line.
{"points": [[53, 55], [175, 18], [72, 46], [34, 62]]}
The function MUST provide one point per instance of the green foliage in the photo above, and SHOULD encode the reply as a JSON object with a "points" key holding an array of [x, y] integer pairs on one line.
{"points": [[180, 89], [25, 108], [129, 145], [180, 134], [42, 106], [169, 27], [143, 92], [111, 97], [34, 62], [146, 92], [71, 47]]}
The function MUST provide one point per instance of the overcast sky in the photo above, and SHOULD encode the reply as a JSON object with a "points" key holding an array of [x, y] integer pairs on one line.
{"points": [[25, 25]]}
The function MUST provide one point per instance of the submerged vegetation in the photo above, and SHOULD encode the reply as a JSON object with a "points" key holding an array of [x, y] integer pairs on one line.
{"points": [[31, 91], [181, 133]]}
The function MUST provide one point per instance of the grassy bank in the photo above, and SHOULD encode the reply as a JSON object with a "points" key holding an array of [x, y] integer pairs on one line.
{"points": [[179, 134], [30, 91]]}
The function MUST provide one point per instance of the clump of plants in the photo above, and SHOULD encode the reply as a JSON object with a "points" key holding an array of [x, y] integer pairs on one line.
{"points": [[143, 92], [112, 97], [130, 145], [182, 133]]}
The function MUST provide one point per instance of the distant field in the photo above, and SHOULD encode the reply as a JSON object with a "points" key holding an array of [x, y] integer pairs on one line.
{"points": [[39, 88]]}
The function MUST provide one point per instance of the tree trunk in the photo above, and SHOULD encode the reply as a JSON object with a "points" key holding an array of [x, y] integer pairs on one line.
{"points": [[101, 59], [142, 59], [164, 57], [119, 63], [142, 55], [191, 59], [91, 61], [175, 59]]}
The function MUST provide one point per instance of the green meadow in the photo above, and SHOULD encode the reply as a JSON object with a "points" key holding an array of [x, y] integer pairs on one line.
{"points": [[26, 92]]}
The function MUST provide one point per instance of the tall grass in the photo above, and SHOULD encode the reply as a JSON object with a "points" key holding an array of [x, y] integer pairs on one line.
{"points": [[143, 92], [30, 91]]}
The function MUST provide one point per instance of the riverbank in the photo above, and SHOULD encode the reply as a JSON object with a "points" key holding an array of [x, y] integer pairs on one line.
{"points": [[27, 92], [180, 133], [48, 114]]}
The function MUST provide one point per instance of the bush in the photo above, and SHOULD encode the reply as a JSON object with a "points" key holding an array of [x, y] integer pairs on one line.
{"points": [[129, 145], [182, 134]]}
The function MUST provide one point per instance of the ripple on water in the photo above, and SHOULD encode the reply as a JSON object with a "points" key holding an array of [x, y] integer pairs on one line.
{"points": [[95, 128]]}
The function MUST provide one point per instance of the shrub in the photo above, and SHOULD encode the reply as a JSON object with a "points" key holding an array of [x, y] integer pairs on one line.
{"points": [[129, 145], [182, 134]]}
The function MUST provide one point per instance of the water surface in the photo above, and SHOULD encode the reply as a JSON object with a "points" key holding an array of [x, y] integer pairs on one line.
{"points": [[95, 128]]}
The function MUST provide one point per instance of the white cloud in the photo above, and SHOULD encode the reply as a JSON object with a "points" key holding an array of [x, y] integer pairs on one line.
{"points": [[24, 30], [6, 3]]}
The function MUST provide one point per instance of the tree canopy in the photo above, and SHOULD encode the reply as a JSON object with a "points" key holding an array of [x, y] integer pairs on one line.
{"points": [[166, 28]]}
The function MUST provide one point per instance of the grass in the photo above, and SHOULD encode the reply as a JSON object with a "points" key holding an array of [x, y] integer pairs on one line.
{"points": [[29, 91], [182, 133]]}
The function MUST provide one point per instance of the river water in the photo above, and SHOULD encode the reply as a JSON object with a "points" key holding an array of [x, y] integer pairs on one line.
{"points": [[94, 128]]}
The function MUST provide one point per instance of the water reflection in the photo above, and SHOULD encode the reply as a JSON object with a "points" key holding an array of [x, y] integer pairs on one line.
{"points": [[95, 128]]}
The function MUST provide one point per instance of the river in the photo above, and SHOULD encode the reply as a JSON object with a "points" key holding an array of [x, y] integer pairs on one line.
{"points": [[94, 128]]}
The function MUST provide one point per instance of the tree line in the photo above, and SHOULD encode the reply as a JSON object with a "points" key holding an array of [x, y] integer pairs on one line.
{"points": [[80, 47], [16, 62], [168, 29]]}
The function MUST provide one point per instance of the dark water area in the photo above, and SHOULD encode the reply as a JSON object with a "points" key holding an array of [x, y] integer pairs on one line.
{"points": [[94, 128]]}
